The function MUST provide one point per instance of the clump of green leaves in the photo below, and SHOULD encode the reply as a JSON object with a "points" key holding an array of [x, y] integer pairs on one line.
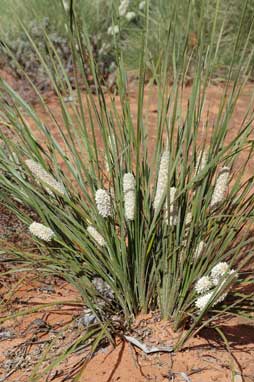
{"points": [[144, 217]]}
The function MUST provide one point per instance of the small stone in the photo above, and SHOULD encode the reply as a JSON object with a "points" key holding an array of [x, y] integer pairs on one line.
{"points": [[103, 288], [47, 288], [5, 334], [88, 319]]}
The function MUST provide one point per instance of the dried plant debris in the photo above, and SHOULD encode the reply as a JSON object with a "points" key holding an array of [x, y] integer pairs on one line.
{"points": [[173, 374], [149, 349], [39, 337]]}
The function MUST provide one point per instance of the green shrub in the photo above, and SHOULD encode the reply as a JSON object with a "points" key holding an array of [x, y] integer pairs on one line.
{"points": [[137, 225], [50, 17]]}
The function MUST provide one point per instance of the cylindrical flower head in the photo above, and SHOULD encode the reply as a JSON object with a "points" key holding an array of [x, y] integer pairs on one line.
{"points": [[96, 236], [41, 231], [130, 16], [103, 203], [113, 30], [221, 298], [220, 187], [203, 301], [203, 285], [219, 280], [42, 175], [218, 272], [162, 180], [123, 7], [142, 5], [199, 249], [173, 214], [66, 5], [129, 195]]}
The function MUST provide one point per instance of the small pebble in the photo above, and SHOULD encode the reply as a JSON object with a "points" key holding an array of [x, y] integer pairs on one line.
{"points": [[88, 319], [5, 334]]}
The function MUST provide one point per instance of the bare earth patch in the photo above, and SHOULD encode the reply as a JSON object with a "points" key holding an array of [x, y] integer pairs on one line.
{"points": [[25, 340]]}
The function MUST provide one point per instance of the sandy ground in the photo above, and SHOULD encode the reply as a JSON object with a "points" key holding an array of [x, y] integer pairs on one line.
{"points": [[24, 340], [204, 358]]}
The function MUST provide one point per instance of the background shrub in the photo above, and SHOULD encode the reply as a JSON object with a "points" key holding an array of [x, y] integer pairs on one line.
{"points": [[193, 32]]}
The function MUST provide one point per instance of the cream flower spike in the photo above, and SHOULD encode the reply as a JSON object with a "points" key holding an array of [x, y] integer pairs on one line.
{"points": [[41, 231], [42, 175], [220, 187], [103, 203], [96, 236], [129, 195], [203, 285], [162, 180]]}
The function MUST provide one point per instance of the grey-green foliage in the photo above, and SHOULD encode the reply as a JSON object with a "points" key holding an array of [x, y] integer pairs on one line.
{"points": [[147, 263], [19, 56]]}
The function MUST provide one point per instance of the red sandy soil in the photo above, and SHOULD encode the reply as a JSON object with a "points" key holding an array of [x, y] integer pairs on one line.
{"points": [[204, 358], [31, 334]]}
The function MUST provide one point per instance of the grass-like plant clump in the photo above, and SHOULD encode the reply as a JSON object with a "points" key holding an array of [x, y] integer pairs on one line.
{"points": [[137, 224]]}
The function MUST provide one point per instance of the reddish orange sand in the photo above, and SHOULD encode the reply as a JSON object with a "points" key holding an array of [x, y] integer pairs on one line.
{"points": [[204, 358]]}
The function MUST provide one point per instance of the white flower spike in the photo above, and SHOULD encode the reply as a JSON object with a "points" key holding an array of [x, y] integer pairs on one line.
{"points": [[130, 16], [41, 231], [103, 203], [113, 30], [218, 272], [200, 248], [162, 180], [96, 236], [123, 7], [202, 302], [142, 5], [203, 285], [220, 187], [129, 195], [42, 175]]}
